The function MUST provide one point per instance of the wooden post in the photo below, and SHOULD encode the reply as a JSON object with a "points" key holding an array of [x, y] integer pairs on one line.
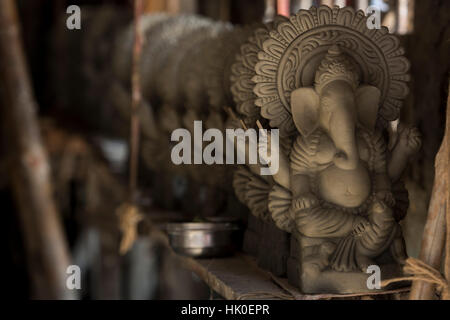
{"points": [[136, 100], [362, 5], [225, 10], [269, 11], [155, 6], [284, 7], [306, 4], [46, 247], [329, 3], [434, 235], [340, 3]]}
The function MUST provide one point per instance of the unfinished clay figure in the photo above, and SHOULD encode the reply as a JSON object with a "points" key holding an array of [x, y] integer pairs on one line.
{"points": [[334, 87]]}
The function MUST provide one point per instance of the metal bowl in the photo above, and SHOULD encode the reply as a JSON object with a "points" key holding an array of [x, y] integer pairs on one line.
{"points": [[203, 240]]}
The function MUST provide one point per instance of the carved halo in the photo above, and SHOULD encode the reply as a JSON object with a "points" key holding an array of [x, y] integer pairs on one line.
{"points": [[243, 70], [253, 190], [219, 60], [290, 56]]}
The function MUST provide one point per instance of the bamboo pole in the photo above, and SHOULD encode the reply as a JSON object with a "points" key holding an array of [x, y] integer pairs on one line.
{"points": [[434, 236], [45, 244]]}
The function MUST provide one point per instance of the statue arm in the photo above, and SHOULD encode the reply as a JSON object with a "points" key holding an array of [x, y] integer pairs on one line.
{"points": [[382, 181], [282, 177], [280, 174], [302, 163], [397, 164], [300, 185], [275, 159], [319, 222], [408, 143]]}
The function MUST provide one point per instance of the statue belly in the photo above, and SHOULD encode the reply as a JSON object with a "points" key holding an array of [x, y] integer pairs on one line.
{"points": [[346, 188]]}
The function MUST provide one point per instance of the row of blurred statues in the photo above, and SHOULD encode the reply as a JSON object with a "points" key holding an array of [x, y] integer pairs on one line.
{"points": [[332, 86]]}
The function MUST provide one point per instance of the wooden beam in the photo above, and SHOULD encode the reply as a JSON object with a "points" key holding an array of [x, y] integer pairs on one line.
{"points": [[29, 170], [136, 100], [434, 235]]}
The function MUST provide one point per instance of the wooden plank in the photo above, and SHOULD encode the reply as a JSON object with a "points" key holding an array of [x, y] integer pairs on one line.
{"points": [[239, 278], [234, 278]]}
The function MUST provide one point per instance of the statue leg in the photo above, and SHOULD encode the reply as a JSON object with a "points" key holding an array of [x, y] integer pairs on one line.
{"points": [[398, 248], [315, 274], [376, 236]]}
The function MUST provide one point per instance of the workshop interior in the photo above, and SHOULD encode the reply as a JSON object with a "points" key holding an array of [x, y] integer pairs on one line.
{"points": [[225, 149]]}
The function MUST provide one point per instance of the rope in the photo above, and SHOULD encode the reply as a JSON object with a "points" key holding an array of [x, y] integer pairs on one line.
{"points": [[419, 270], [129, 217]]}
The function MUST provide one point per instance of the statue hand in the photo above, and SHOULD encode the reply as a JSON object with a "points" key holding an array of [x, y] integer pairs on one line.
{"points": [[409, 139], [380, 214], [304, 201], [386, 196], [360, 228], [407, 143]]}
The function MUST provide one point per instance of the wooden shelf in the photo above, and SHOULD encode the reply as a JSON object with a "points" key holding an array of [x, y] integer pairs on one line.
{"points": [[239, 278]]}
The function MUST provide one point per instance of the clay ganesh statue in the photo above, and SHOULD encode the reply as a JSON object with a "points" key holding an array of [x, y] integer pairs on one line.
{"points": [[338, 190], [340, 173]]}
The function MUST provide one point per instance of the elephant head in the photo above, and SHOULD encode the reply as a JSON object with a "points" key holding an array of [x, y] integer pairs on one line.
{"points": [[336, 104]]}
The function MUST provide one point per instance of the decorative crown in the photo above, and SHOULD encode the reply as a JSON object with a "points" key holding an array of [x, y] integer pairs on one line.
{"points": [[336, 66], [288, 50]]}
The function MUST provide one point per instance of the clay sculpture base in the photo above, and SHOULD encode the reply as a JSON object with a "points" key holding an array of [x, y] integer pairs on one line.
{"points": [[280, 253], [312, 281], [252, 236], [268, 244]]}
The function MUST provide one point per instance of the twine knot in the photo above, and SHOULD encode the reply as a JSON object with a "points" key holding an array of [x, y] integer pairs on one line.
{"points": [[419, 270]]}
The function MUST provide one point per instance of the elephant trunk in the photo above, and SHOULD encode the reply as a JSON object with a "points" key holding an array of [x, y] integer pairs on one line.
{"points": [[339, 106]]}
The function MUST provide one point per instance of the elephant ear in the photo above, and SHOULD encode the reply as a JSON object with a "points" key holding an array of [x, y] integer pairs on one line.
{"points": [[367, 100], [305, 110]]}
